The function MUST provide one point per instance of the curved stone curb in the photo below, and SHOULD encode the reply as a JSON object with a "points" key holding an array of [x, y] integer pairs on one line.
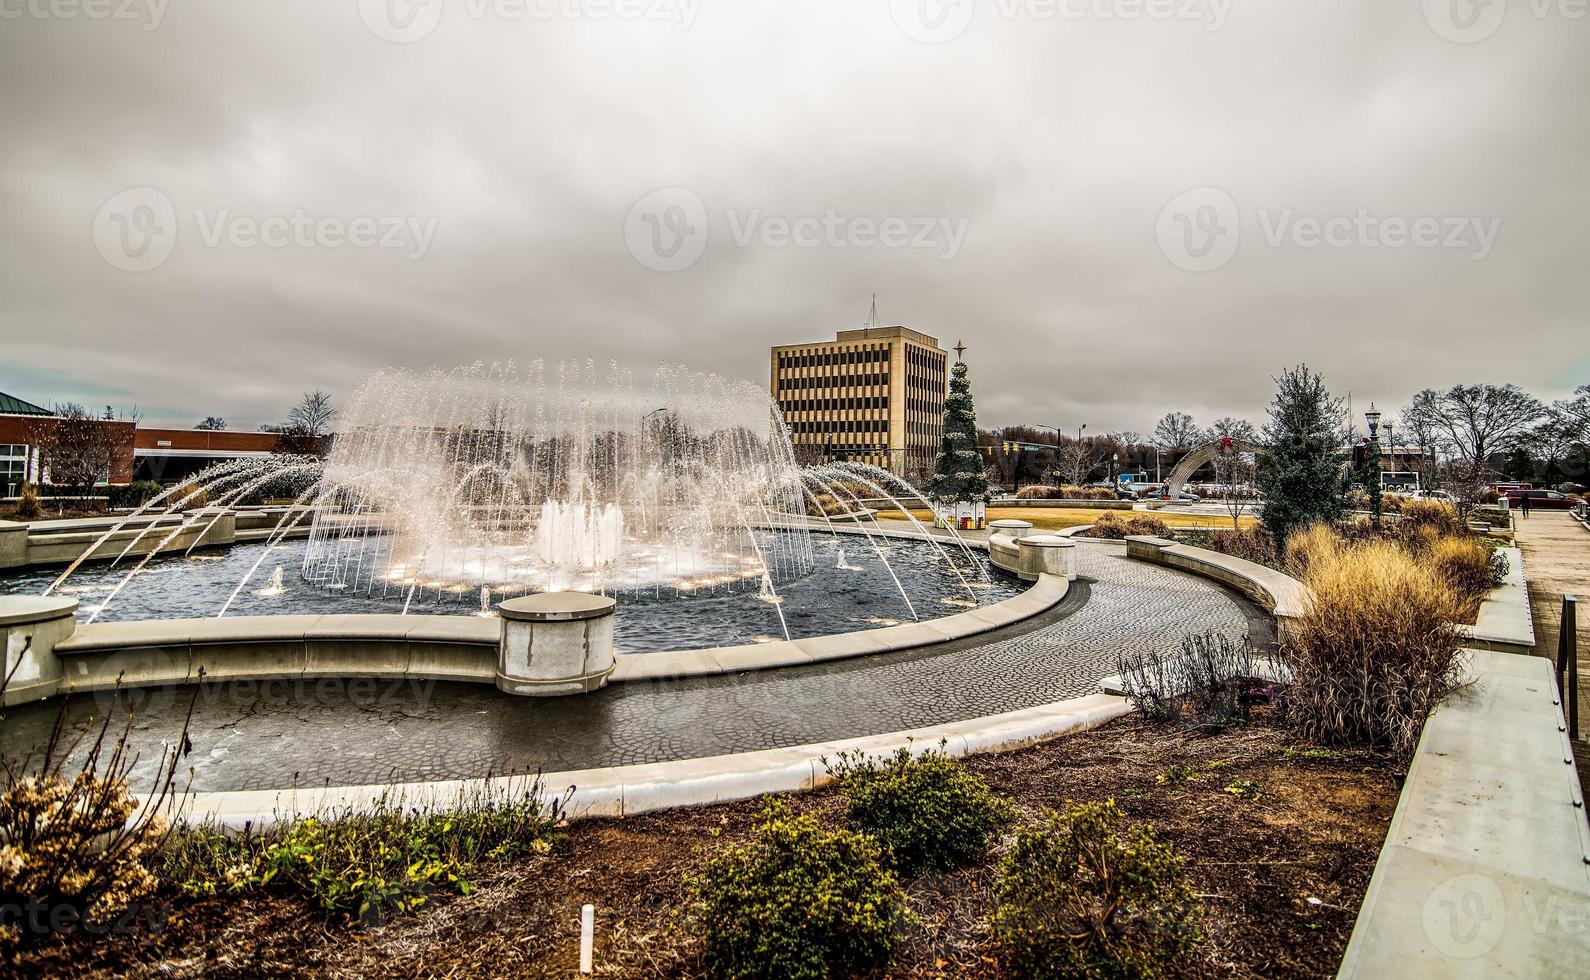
{"points": [[627, 790]]}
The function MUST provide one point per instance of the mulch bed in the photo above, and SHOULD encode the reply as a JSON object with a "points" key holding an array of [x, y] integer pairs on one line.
{"points": [[1280, 842]]}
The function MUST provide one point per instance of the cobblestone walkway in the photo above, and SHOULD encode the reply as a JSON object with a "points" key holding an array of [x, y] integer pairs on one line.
{"points": [[249, 736]]}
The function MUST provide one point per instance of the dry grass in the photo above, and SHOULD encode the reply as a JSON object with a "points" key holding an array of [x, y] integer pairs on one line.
{"points": [[1377, 646]]}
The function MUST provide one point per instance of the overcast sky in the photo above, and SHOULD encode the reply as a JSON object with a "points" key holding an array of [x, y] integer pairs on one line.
{"points": [[1122, 206]]}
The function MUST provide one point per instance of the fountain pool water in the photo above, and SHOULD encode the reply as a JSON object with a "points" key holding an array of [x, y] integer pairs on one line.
{"points": [[824, 601]]}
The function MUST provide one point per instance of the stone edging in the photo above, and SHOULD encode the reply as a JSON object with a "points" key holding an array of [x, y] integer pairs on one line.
{"points": [[452, 648], [1504, 623], [627, 790], [1484, 869]]}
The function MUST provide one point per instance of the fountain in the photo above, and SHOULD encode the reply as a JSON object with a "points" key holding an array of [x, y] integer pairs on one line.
{"points": [[557, 479], [451, 492]]}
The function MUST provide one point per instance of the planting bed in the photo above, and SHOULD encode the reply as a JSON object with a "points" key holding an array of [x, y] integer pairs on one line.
{"points": [[1280, 842]]}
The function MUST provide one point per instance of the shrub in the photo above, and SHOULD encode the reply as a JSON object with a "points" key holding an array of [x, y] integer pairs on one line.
{"points": [[1113, 527], [1083, 896], [1376, 646], [389, 858], [76, 845], [799, 901], [1211, 682], [1251, 543], [1038, 493], [928, 811], [28, 508], [133, 494], [1465, 564], [1443, 517]]}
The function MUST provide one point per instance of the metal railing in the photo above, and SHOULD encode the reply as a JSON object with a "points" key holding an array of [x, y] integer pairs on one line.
{"points": [[1568, 663]]}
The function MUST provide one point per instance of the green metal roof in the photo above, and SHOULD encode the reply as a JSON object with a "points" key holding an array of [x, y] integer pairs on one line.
{"points": [[10, 405]]}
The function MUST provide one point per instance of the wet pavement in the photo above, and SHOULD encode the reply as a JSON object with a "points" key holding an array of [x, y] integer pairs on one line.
{"points": [[269, 735]]}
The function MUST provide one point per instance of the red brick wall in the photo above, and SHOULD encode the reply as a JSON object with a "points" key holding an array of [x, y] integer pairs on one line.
{"points": [[32, 429]]}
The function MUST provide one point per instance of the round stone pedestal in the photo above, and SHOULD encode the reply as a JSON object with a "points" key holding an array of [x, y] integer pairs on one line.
{"points": [[1010, 526], [1046, 554], [555, 643], [30, 627]]}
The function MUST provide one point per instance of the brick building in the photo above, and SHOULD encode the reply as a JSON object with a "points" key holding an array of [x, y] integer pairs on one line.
{"points": [[162, 455], [874, 395]]}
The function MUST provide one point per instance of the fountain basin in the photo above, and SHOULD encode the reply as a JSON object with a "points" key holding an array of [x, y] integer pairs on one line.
{"points": [[161, 653]]}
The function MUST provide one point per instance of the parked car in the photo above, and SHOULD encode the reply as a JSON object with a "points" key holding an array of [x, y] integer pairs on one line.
{"points": [[1159, 493], [1548, 499], [1439, 495]]}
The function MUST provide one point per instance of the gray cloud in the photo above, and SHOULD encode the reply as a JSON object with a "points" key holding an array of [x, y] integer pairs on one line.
{"points": [[1058, 142]]}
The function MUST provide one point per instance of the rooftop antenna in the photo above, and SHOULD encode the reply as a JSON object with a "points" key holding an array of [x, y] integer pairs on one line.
{"points": [[872, 317]]}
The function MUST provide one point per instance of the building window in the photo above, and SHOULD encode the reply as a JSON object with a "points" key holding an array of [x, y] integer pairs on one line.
{"points": [[13, 467]]}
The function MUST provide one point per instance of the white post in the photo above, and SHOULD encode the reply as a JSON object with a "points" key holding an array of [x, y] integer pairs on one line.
{"points": [[587, 937]]}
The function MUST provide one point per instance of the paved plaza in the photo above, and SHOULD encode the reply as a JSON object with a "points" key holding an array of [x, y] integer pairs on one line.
{"points": [[254, 736]]}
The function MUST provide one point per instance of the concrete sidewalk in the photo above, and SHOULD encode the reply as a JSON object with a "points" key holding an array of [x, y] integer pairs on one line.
{"points": [[1557, 556]]}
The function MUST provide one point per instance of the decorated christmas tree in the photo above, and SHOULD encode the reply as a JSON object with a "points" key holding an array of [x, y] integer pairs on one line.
{"points": [[958, 475]]}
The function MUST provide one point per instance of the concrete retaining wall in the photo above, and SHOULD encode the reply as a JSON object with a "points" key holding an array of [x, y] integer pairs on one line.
{"points": [[1504, 623], [61, 542], [1486, 867], [1064, 504]]}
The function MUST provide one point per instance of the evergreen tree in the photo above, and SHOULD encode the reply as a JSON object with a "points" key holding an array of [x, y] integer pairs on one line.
{"points": [[1299, 469], [958, 471], [1369, 476]]}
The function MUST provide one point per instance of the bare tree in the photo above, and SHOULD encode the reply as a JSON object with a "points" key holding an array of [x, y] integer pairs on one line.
{"points": [[1235, 471], [312, 416], [1229, 427], [307, 424], [1574, 413], [1176, 431], [76, 449], [1552, 440], [1422, 420], [1076, 460], [211, 423], [1485, 419]]}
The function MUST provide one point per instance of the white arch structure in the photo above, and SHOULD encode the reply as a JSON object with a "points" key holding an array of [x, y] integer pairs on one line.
{"points": [[1190, 463]]}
